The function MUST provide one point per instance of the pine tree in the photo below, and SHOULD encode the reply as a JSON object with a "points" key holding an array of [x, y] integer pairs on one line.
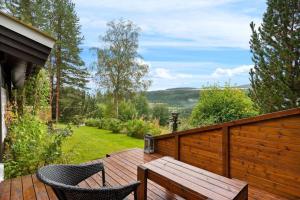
{"points": [[275, 46], [68, 64], [33, 12]]}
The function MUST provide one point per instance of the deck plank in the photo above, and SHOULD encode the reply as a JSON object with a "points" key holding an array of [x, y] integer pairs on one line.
{"points": [[154, 187], [131, 176], [120, 169], [28, 190], [51, 193], [16, 189], [40, 189], [5, 190], [122, 174]]}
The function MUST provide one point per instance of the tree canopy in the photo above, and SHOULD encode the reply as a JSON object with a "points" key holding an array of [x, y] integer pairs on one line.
{"points": [[275, 45], [218, 105], [120, 69]]}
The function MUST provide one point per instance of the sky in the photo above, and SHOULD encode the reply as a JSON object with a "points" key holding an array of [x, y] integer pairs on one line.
{"points": [[186, 43]]}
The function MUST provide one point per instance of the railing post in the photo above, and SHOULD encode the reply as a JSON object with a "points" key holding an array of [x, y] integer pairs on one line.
{"points": [[177, 147], [225, 151]]}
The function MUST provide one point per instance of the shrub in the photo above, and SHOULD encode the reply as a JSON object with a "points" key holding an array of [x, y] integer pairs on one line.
{"points": [[138, 128], [53, 151], [77, 120], [218, 105], [115, 125], [99, 111], [184, 124], [30, 145], [161, 112], [127, 111], [93, 122], [112, 124], [37, 91], [141, 105]]}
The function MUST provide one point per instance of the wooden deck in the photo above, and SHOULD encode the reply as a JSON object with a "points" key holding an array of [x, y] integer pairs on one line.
{"points": [[121, 168]]}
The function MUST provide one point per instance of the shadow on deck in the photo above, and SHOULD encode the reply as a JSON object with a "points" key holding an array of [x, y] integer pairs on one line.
{"points": [[121, 168]]}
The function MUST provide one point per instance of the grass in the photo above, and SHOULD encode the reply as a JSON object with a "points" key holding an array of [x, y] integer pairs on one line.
{"points": [[89, 143]]}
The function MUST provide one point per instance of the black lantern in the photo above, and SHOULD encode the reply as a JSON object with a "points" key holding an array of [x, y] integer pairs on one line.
{"points": [[174, 121], [149, 144]]}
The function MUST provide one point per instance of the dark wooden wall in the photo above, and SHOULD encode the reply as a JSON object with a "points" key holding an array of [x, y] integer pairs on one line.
{"points": [[264, 150]]}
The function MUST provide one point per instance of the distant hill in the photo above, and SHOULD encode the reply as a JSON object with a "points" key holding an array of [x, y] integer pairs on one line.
{"points": [[183, 88], [245, 86], [180, 97]]}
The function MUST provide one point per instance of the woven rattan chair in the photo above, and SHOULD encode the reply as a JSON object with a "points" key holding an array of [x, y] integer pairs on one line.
{"points": [[64, 180]]}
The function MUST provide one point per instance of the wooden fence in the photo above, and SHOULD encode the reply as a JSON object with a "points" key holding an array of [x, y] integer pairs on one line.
{"points": [[263, 150]]}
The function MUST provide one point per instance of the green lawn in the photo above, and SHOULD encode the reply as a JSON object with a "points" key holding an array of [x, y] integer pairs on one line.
{"points": [[91, 143]]}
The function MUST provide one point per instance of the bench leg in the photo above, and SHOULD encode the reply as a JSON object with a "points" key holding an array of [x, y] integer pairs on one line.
{"points": [[243, 195], [142, 177]]}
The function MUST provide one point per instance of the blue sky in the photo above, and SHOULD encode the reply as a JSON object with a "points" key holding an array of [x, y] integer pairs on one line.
{"points": [[187, 43]]}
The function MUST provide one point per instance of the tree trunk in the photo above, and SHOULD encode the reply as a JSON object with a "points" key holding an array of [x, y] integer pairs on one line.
{"points": [[58, 67], [51, 89], [58, 72], [117, 108], [116, 104]]}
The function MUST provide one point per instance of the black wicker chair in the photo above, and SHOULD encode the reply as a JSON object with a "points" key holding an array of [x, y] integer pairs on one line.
{"points": [[64, 180]]}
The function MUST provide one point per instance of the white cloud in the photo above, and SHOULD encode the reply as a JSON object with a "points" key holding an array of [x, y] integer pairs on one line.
{"points": [[163, 73], [232, 71], [93, 22], [185, 25], [143, 6], [165, 78], [201, 23]]}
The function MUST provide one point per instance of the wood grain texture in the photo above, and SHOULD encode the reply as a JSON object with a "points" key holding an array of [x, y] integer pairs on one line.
{"points": [[165, 147], [266, 154], [126, 162], [225, 151], [264, 150], [28, 190], [16, 189], [5, 188], [194, 181], [203, 150]]}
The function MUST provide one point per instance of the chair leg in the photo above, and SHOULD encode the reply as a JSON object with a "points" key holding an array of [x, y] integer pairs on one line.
{"points": [[103, 177]]}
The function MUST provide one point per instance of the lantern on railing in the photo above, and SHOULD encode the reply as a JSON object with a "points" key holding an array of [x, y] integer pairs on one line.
{"points": [[149, 144], [174, 121]]}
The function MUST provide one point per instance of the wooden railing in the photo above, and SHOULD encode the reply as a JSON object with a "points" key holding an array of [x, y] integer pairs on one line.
{"points": [[262, 150]]}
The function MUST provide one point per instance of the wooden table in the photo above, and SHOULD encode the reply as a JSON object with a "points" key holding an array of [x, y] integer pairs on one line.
{"points": [[188, 181]]}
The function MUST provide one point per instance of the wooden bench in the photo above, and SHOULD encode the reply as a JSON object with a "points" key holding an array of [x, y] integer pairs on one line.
{"points": [[188, 181]]}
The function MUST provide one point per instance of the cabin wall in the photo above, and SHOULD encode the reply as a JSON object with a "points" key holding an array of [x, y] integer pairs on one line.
{"points": [[264, 151]]}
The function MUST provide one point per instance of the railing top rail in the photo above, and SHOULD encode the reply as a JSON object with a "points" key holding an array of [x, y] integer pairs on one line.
{"points": [[249, 120]]}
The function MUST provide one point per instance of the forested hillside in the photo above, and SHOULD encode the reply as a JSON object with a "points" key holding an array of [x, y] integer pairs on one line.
{"points": [[183, 97], [179, 97]]}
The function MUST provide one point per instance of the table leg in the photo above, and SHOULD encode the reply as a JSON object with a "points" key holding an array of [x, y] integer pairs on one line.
{"points": [[142, 177]]}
